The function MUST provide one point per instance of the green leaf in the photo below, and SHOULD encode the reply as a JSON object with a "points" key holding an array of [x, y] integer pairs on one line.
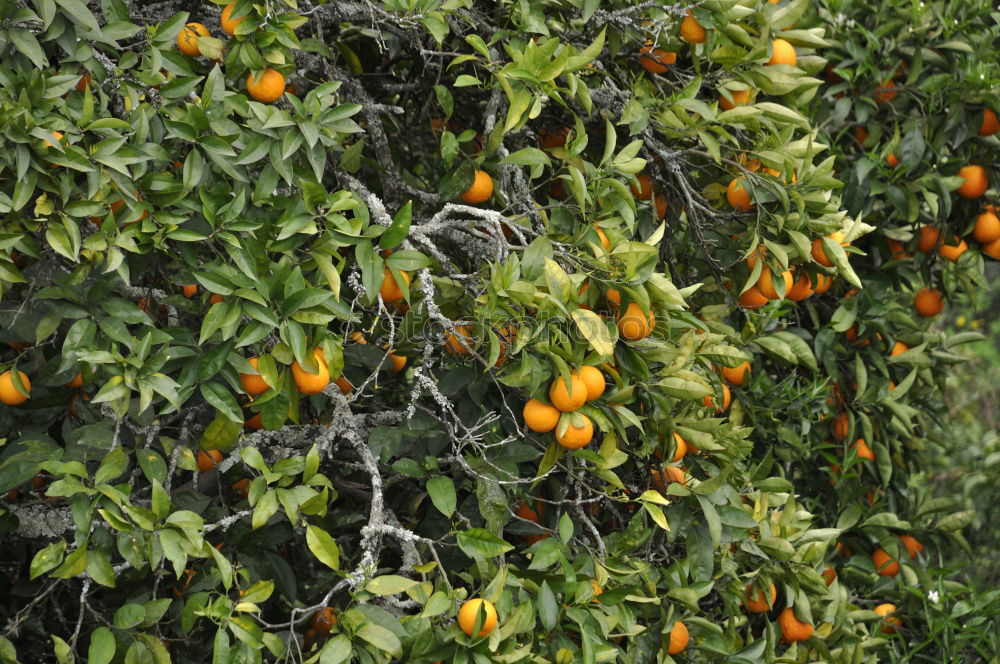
{"points": [[102, 646], [129, 616], [381, 638], [442, 492], [594, 330], [479, 543], [323, 546], [47, 559], [336, 651], [390, 584], [399, 229], [216, 394]]}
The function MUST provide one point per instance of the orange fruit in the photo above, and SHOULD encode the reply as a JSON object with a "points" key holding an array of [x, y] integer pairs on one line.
{"points": [[576, 437], [912, 544], [215, 298], [990, 124], [736, 375], [539, 416], [886, 92], [765, 284], [890, 621], [594, 380], [752, 298], [187, 39], [975, 183], [568, 399], [819, 251], [550, 139], [312, 383], [782, 53], [862, 450], [84, 82], [398, 362], [896, 248], [992, 249], [738, 196], [254, 384], [661, 478], [58, 135], [256, 422], [928, 238], [189, 290], [9, 394], [457, 346], [390, 290], [892, 160], [660, 204], [605, 242], [802, 288], [987, 227], [679, 638], [614, 297], [656, 60], [793, 630], [951, 251], [691, 30], [823, 283], [829, 574], [76, 382], [470, 611], [928, 302], [645, 189], [268, 88], [208, 459], [323, 621], [343, 385], [681, 448], [898, 348], [754, 600], [242, 487], [841, 425], [525, 512], [844, 550], [727, 398], [740, 98], [884, 564], [633, 325], [860, 134], [229, 24], [480, 190]]}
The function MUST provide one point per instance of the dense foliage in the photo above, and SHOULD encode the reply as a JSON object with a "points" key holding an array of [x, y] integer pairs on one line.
{"points": [[322, 320]]}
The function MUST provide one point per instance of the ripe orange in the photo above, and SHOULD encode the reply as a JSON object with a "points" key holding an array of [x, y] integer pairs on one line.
{"points": [[539, 416], [568, 399], [398, 362], [823, 283], [886, 92], [254, 384], [740, 98], [890, 621], [928, 302], [681, 448], [862, 450], [898, 349], [605, 242], [754, 600], [594, 380], [242, 486], [691, 30], [390, 290], [656, 60], [268, 88], [9, 394], [802, 288], [58, 135], [952, 250], [480, 190], [782, 53], [752, 298], [208, 459], [661, 478], [312, 383], [928, 238], [765, 284], [256, 422], [679, 638], [323, 621], [892, 160], [987, 227], [645, 189], [884, 564], [912, 544], [614, 297], [84, 82], [736, 375], [550, 139], [896, 249], [793, 630], [829, 574], [738, 196], [990, 124], [660, 204], [633, 325], [457, 346], [860, 134], [992, 249], [215, 298], [76, 382], [727, 398], [841, 426], [819, 251], [470, 611], [975, 183], [576, 437], [189, 290], [187, 39], [229, 24], [343, 385]]}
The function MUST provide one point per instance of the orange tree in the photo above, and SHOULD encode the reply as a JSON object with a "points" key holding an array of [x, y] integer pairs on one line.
{"points": [[428, 331]]}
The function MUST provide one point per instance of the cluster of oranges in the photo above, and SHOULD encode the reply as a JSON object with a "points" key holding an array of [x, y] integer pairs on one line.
{"points": [[573, 430], [267, 87]]}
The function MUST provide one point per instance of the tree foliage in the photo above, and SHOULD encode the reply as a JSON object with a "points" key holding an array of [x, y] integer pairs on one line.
{"points": [[279, 352]]}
